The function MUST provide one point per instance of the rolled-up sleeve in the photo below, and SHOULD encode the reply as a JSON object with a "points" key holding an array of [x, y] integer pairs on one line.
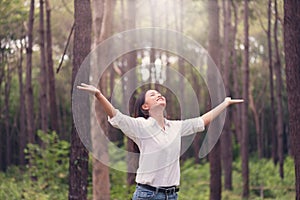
{"points": [[190, 126], [128, 125]]}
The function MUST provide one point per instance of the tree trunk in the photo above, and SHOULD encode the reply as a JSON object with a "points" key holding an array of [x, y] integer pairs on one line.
{"points": [[226, 139], [272, 119], [78, 167], [7, 85], [43, 74], [102, 25], [235, 76], [132, 161], [257, 125], [245, 134], [2, 142], [51, 78], [99, 171], [292, 59], [279, 88], [196, 141], [29, 91], [213, 50], [22, 134]]}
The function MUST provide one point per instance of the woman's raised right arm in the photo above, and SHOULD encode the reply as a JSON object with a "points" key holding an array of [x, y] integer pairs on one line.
{"points": [[108, 107]]}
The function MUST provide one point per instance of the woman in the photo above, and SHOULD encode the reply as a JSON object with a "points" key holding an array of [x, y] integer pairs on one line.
{"points": [[158, 140]]}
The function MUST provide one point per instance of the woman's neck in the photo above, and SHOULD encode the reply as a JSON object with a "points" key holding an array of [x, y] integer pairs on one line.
{"points": [[158, 115]]}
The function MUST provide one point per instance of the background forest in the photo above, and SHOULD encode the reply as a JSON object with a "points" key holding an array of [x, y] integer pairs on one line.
{"points": [[43, 43]]}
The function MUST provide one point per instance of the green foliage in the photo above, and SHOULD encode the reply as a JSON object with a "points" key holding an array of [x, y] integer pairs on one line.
{"points": [[12, 14], [265, 182], [46, 175], [119, 188], [194, 181]]}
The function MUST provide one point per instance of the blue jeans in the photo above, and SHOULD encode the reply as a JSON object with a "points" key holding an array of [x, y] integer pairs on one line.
{"points": [[142, 193]]}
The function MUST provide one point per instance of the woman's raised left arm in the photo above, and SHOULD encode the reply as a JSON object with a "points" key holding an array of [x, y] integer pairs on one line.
{"points": [[212, 114]]}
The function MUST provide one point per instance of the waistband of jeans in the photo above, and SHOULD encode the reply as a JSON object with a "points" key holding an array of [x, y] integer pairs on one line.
{"points": [[163, 189]]}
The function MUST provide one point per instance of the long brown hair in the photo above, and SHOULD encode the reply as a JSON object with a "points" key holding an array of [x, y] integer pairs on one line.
{"points": [[138, 111]]}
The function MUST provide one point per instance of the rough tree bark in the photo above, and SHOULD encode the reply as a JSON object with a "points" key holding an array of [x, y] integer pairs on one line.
{"points": [[245, 133], [213, 50], [78, 167], [292, 59], [226, 139]]}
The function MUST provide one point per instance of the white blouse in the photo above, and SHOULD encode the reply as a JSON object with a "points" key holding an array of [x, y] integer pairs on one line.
{"points": [[159, 148]]}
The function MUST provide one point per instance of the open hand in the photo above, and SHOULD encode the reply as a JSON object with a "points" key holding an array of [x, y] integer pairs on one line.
{"points": [[233, 101], [90, 88]]}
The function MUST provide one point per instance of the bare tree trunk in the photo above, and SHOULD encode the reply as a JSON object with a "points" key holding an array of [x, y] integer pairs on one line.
{"points": [[132, 161], [43, 102], [257, 126], [51, 78], [196, 141], [29, 91], [101, 183], [102, 25], [235, 75], [245, 134], [78, 167], [226, 139], [273, 137], [22, 133], [279, 87], [7, 85], [292, 58], [2, 142], [213, 49]]}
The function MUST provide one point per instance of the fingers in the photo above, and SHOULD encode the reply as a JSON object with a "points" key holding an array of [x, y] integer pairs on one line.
{"points": [[80, 87], [85, 85], [237, 100], [233, 101]]}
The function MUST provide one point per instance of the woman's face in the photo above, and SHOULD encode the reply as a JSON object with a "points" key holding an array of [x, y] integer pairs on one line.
{"points": [[153, 98]]}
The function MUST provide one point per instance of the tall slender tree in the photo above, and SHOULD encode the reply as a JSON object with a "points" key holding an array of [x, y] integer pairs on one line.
{"points": [[2, 70], [78, 166], [29, 90], [245, 133], [51, 78], [22, 134], [8, 137], [279, 87], [213, 49], [292, 59], [256, 114], [235, 75], [102, 27], [132, 162], [226, 139], [43, 101], [270, 55]]}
